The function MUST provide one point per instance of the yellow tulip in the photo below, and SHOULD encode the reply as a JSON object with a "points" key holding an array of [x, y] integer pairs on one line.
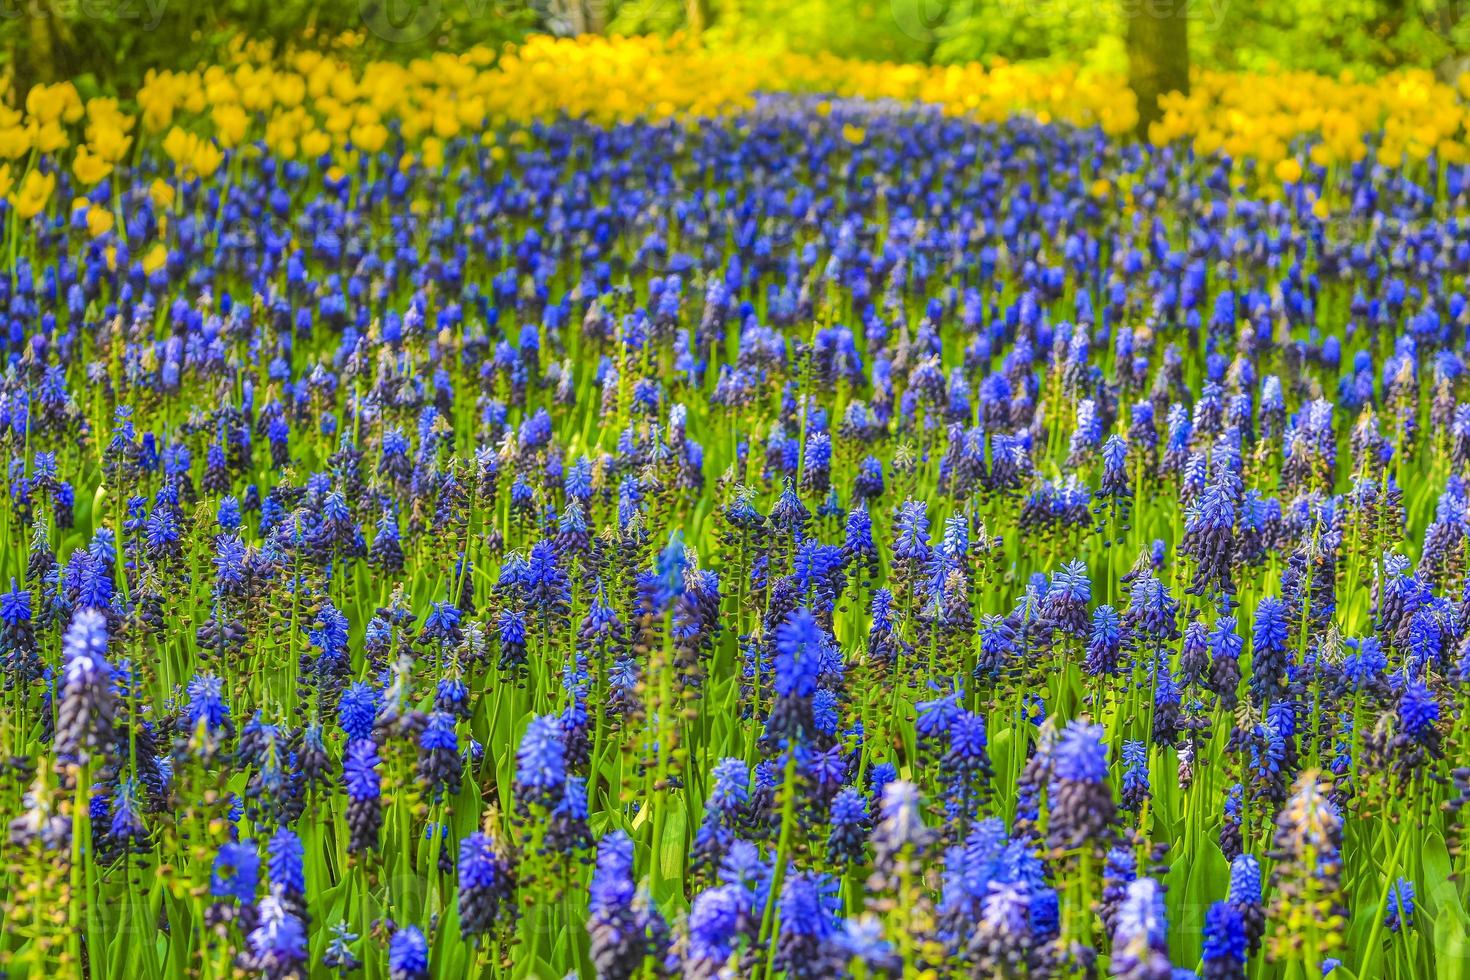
{"points": [[89, 168], [15, 142], [1289, 171], [103, 111], [52, 103], [99, 221], [220, 92], [35, 190], [194, 98], [230, 124], [110, 142], [315, 143], [155, 258], [207, 158], [162, 193], [50, 137], [309, 103], [289, 90], [471, 111], [157, 114], [446, 125], [369, 138], [179, 145]]}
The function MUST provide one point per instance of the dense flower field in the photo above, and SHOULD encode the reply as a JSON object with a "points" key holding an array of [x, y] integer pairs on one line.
{"points": [[894, 527]]}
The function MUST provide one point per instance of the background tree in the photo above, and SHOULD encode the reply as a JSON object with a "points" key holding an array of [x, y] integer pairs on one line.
{"points": [[697, 14], [110, 44], [1158, 53]]}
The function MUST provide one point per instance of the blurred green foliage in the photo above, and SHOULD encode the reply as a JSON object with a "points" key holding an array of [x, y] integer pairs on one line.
{"points": [[1321, 35], [112, 43]]}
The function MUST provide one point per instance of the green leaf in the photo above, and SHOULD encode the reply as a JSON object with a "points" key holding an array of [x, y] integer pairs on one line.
{"points": [[671, 853], [1451, 948], [1438, 893]]}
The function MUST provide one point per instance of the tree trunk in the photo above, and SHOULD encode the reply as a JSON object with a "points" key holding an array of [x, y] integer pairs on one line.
{"points": [[597, 16], [697, 16], [1158, 54], [35, 63]]}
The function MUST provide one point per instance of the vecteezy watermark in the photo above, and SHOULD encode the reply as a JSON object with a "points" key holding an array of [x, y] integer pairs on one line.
{"points": [[404, 21], [1209, 14], [148, 12], [410, 21], [1449, 20], [925, 20]]}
